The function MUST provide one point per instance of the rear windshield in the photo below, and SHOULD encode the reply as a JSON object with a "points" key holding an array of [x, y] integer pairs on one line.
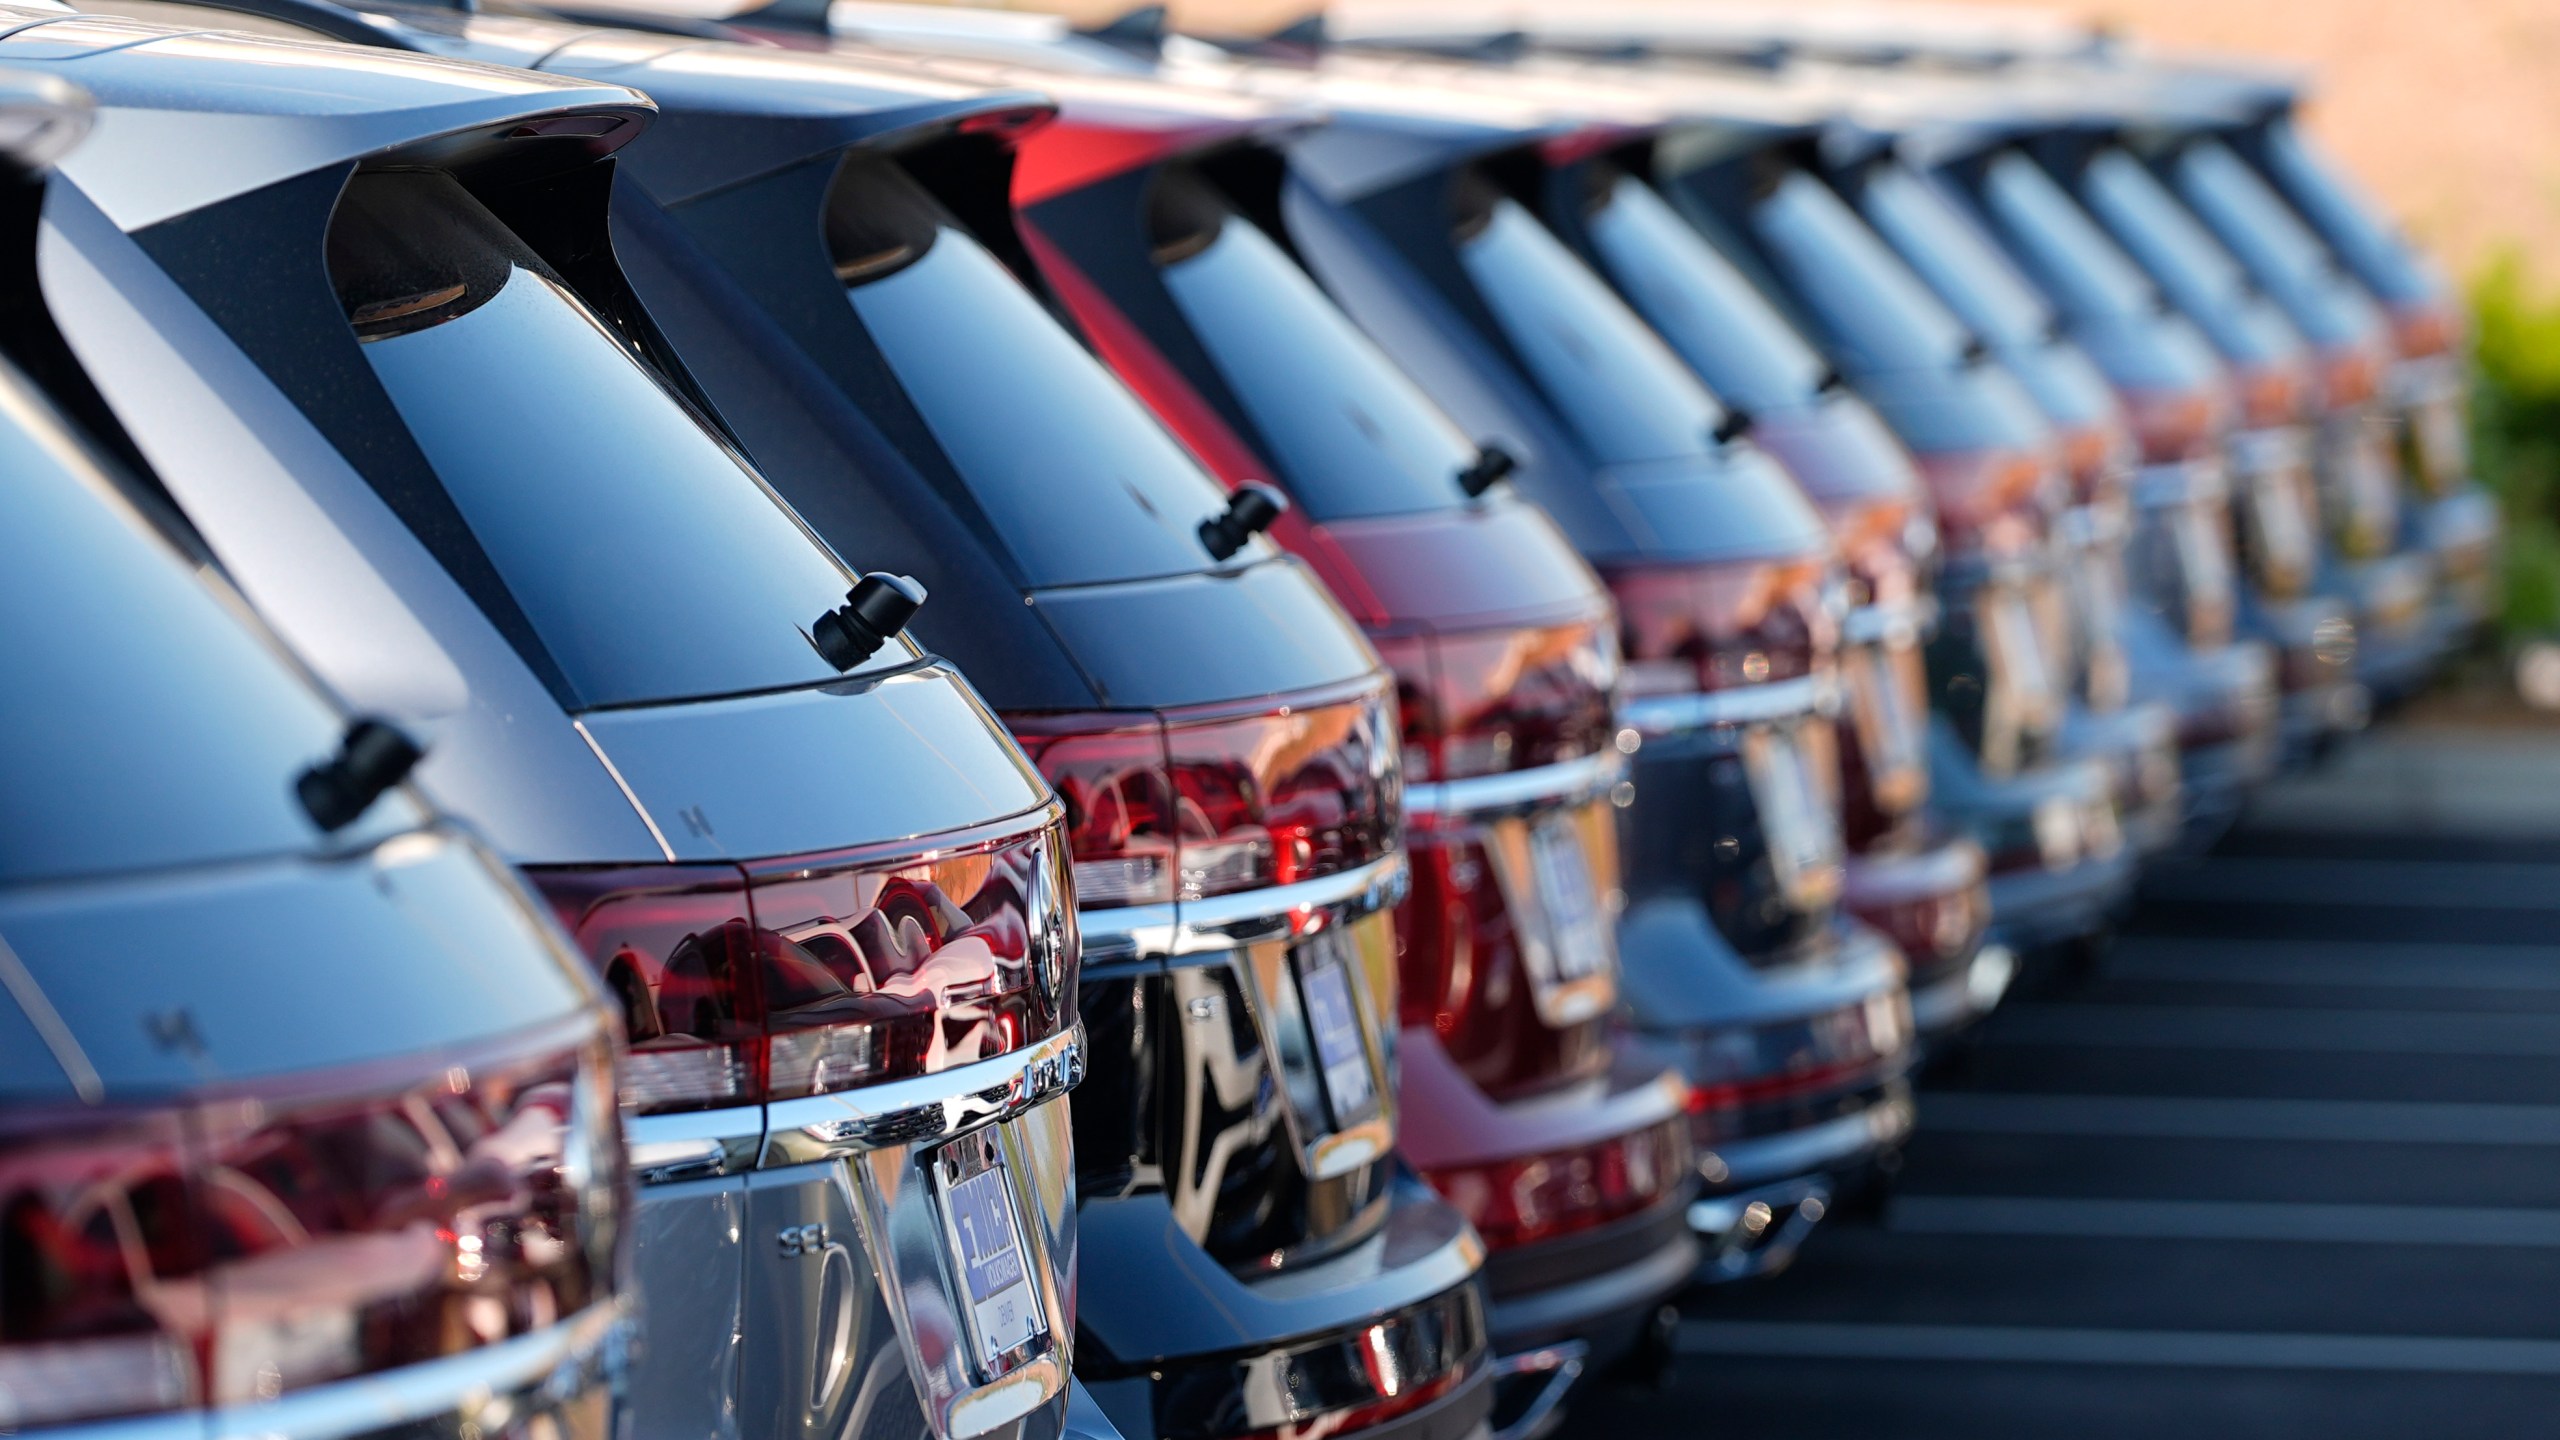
{"points": [[1952, 253], [2078, 264], [2277, 247], [2346, 216], [650, 561], [2184, 258], [1077, 478], [1351, 434], [1625, 393], [141, 724], [1878, 313], [1718, 321]]}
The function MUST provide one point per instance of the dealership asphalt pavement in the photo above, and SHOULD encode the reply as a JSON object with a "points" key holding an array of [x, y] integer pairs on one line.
{"points": [[2285, 1162]]}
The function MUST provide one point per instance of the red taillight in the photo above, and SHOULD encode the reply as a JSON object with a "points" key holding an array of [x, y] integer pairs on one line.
{"points": [[1883, 543], [818, 974], [1197, 805], [2424, 329], [240, 1246], [1710, 1100], [1989, 501], [2349, 375], [1714, 627], [2271, 395], [1540, 1197], [2094, 460], [1119, 795], [670, 943], [877, 968], [1504, 700], [2175, 425]]}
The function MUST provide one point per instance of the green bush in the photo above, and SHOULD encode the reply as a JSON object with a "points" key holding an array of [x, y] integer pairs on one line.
{"points": [[2515, 422]]}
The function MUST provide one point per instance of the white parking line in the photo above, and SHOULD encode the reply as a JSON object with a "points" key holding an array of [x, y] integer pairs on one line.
{"points": [[2381, 964], [2275, 880], [2004, 1344], [2013, 1215], [2259, 1028], [2163, 1118]]}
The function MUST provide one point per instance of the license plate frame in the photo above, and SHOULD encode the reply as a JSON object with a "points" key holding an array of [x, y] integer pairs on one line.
{"points": [[1331, 1005], [993, 1283], [1578, 935], [1799, 825]]}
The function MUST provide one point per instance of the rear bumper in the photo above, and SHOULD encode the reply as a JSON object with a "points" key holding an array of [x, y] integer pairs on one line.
{"points": [[1186, 1345], [2461, 533], [2396, 638], [1953, 1001], [1599, 1287], [1864, 1125], [563, 1380], [1935, 904], [2034, 908], [2138, 745]]}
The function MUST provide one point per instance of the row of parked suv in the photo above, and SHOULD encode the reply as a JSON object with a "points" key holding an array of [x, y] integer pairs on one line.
{"points": [[867, 721]]}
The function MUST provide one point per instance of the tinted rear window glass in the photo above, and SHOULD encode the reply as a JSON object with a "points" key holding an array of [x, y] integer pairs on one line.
{"points": [[141, 724], [1351, 433], [651, 562], [1080, 481], [2074, 258], [1727, 331], [1624, 392], [2346, 216], [2274, 243], [1879, 314], [2185, 259], [2180, 253], [1950, 251]]}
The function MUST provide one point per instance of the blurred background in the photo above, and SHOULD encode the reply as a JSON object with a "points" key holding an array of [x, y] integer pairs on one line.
{"points": [[2450, 113]]}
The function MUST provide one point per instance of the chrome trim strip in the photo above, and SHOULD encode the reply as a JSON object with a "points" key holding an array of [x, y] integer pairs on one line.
{"points": [[1816, 694], [2429, 379], [2097, 526], [1564, 783], [1221, 923], [1911, 620], [2256, 451], [49, 1027], [926, 1109], [693, 1144], [2181, 482], [669, 851], [489, 1391]]}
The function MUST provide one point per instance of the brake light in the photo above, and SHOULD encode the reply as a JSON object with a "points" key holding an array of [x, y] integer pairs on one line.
{"points": [[2425, 329], [1378, 1360], [819, 974], [2175, 425], [1504, 700], [2349, 375], [880, 967], [1196, 805], [1713, 627], [2272, 395], [1734, 1071], [2094, 460], [237, 1246], [1992, 501], [1876, 539], [1525, 1200]]}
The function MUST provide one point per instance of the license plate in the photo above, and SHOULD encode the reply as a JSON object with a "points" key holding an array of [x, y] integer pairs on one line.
{"points": [[1802, 830], [1572, 900], [1334, 1019], [985, 1236]]}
